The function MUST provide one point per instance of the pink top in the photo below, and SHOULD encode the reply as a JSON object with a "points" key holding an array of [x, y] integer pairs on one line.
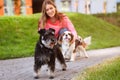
{"points": [[66, 23]]}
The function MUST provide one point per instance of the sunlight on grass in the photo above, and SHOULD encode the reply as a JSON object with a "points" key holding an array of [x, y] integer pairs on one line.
{"points": [[108, 70]]}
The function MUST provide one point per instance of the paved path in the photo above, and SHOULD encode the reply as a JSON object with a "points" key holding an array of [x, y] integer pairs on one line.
{"points": [[22, 69]]}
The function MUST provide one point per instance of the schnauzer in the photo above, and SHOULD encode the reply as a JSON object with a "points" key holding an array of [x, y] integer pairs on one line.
{"points": [[46, 51]]}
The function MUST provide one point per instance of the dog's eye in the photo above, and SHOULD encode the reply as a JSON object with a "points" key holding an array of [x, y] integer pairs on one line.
{"points": [[45, 38]]}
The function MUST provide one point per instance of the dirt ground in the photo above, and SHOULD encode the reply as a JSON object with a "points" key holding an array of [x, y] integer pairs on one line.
{"points": [[22, 68]]}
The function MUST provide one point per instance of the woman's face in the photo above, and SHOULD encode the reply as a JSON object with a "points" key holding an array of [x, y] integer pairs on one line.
{"points": [[50, 10]]}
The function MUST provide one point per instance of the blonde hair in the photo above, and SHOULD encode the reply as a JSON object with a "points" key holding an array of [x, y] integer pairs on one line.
{"points": [[44, 16]]}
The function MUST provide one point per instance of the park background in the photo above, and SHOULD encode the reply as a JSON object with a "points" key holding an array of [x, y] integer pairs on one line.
{"points": [[19, 21]]}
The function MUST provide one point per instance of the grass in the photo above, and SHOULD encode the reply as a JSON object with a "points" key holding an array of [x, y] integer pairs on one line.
{"points": [[18, 34], [113, 18], [108, 70]]}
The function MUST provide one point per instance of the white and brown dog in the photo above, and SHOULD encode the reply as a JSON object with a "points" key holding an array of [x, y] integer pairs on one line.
{"points": [[70, 47], [81, 45]]}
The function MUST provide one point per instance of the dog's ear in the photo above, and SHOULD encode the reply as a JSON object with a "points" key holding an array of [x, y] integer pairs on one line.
{"points": [[72, 38], [60, 38], [52, 30], [41, 31]]}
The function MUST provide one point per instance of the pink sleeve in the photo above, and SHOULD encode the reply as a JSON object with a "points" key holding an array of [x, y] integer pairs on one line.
{"points": [[67, 23]]}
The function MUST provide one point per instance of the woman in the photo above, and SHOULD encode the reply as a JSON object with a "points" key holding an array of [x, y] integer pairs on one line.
{"points": [[51, 18]]}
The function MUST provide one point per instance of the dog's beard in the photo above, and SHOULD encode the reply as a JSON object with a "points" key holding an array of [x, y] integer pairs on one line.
{"points": [[48, 43]]}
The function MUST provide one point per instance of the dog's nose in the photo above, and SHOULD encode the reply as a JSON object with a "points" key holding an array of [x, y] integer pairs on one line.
{"points": [[53, 40]]}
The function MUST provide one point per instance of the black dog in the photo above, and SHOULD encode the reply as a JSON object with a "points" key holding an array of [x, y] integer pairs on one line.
{"points": [[46, 51]]}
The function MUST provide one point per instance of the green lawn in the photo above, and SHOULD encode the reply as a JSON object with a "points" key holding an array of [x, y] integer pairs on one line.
{"points": [[112, 18], [18, 34], [108, 70]]}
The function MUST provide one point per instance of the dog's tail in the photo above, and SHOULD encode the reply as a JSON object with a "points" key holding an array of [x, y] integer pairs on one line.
{"points": [[87, 40]]}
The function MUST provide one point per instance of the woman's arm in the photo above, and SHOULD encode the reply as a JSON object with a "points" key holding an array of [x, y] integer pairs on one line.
{"points": [[70, 26], [39, 23]]}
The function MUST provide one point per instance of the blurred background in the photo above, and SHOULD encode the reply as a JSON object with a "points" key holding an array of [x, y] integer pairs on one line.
{"points": [[26, 7]]}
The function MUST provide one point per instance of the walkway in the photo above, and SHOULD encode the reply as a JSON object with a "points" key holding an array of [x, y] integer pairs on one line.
{"points": [[22, 69]]}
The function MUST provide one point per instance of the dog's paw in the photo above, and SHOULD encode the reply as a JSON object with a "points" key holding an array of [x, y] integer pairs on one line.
{"points": [[36, 77], [51, 77], [86, 57], [64, 66], [66, 58], [71, 60], [63, 69]]}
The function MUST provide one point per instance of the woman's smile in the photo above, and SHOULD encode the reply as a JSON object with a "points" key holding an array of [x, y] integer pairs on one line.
{"points": [[50, 10]]}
